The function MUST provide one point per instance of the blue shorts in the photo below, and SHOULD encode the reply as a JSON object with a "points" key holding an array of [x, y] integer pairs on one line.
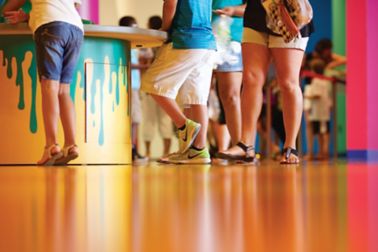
{"points": [[58, 47], [236, 62]]}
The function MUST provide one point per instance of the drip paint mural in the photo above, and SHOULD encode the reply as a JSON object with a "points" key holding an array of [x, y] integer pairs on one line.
{"points": [[99, 90]]}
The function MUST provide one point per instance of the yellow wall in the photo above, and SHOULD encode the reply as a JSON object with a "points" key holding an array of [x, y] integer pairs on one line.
{"points": [[112, 10]]}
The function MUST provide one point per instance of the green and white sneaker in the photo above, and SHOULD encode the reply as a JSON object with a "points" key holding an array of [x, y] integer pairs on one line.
{"points": [[187, 136], [191, 156]]}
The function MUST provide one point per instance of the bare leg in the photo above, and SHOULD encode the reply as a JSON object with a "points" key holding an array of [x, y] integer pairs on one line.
{"points": [[288, 63], [67, 115], [167, 145], [222, 136], [148, 148], [134, 134], [229, 86], [324, 146], [256, 61], [172, 109], [50, 110], [310, 137]]}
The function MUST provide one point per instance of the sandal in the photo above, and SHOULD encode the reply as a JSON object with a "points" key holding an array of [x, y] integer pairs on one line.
{"points": [[51, 157], [69, 153], [287, 152], [241, 159]]}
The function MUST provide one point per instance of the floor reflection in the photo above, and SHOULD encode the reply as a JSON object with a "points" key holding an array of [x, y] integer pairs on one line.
{"points": [[313, 207]]}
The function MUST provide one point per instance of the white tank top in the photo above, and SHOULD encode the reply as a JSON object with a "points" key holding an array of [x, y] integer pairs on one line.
{"points": [[47, 11]]}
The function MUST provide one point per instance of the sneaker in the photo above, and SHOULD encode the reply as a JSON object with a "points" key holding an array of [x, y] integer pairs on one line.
{"points": [[191, 156], [165, 159], [187, 136], [137, 158]]}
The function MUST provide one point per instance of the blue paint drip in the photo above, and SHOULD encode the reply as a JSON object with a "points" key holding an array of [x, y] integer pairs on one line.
{"points": [[117, 93], [101, 133], [110, 85], [93, 95]]}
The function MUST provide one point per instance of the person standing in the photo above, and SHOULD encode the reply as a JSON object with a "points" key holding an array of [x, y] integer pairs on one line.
{"points": [[183, 69], [229, 72], [154, 116], [58, 35], [259, 45]]}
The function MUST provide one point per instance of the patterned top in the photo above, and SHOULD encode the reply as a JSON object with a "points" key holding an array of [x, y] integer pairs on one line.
{"points": [[255, 18]]}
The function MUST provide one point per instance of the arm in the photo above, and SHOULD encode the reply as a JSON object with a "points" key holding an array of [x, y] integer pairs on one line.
{"points": [[169, 11], [337, 60], [12, 5], [232, 10]]}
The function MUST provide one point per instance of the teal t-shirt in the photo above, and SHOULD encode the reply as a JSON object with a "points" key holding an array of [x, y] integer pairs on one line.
{"points": [[236, 28], [191, 28]]}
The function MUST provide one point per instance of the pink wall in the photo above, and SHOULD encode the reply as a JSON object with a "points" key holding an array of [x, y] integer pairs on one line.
{"points": [[90, 10], [372, 73], [357, 75]]}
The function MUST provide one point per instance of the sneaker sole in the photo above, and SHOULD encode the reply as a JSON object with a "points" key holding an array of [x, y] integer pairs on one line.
{"points": [[195, 161]]}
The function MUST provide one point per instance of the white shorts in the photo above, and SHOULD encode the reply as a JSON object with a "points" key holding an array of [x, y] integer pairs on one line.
{"points": [[180, 73], [271, 41], [136, 107], [155, 116]]}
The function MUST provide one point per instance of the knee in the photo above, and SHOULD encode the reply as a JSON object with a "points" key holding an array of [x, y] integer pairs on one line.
{"points": [[289, 85], [253, 79], [64, 91], [230, 98]]}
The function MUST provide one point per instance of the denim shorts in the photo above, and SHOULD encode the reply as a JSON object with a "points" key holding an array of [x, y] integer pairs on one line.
{"points": [[234, 65], [58, 47]]}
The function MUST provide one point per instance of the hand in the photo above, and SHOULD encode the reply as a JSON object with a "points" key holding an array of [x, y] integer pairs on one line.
{"points": [[15, 17], [228, 11]]}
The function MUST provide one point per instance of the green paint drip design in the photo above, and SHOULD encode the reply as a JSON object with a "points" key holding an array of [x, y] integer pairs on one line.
{"points": [[94, 48], [33, 124]]}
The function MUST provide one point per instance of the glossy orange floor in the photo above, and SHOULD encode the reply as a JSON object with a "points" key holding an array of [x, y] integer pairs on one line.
{"points": [[313, 207]]}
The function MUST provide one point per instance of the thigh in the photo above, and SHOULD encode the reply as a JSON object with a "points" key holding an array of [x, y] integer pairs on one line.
{"points": [[256, 59], [50, 40], [229, 83], [288, 64], [71, 53]]}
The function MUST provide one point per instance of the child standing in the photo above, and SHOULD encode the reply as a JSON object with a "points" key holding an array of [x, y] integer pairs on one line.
{"points": [[154, 116], [136, 106], [58, 35], [319, 92], [183, 70]]}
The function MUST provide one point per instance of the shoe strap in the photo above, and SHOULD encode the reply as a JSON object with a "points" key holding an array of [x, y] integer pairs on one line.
{"points": [[288, 151], [48, 149], [245, 148], [66, 149]]}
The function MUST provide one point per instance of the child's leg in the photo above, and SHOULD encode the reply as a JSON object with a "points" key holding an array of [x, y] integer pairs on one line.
{"points": [[172, 109], [324, 145], [50, 110], [148, 148], [67, 115]]}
